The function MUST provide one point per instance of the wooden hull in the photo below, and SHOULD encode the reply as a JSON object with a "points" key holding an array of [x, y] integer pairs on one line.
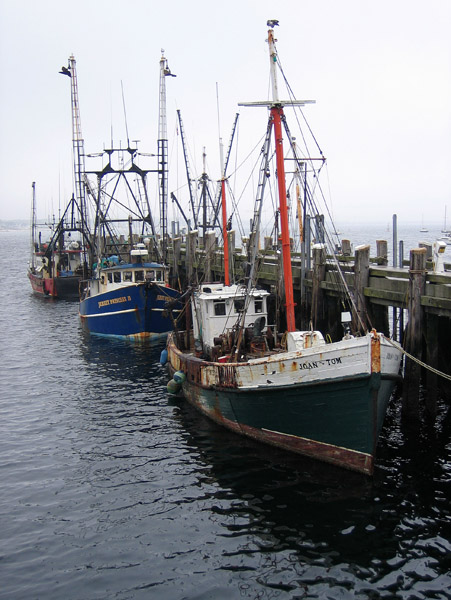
{"points": [[335, 416]]}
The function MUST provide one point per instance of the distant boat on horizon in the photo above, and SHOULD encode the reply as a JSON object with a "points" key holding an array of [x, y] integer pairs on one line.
{"points": [[445, 230], [423, 228]]}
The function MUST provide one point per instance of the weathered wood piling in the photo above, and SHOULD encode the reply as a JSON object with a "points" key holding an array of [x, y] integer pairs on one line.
{"points": [[414, 332]]}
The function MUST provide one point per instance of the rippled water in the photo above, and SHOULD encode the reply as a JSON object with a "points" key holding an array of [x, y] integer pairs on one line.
{"points": [[111, 489]]}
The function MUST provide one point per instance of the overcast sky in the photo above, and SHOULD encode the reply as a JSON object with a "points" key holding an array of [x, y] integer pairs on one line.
{"points": [[380, 73]]}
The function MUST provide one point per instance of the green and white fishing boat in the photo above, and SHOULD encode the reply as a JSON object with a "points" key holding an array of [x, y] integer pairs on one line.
{"points": [[298, 391]]}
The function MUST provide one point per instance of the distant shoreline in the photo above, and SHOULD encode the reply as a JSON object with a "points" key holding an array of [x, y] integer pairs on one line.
{"points": [[14, 224]]}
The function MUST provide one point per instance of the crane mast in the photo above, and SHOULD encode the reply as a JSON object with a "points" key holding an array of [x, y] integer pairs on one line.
{"points": [[78, 146], [163, 154], [78, 152]]}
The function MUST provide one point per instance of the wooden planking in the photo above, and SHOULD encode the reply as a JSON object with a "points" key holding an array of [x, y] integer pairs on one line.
{"points": [[386, 285]]}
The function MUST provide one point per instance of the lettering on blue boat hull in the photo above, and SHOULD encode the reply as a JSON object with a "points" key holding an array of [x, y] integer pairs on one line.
{"points": [[137, 311]]}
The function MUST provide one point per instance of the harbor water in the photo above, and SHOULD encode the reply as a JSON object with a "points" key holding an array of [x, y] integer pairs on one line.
{"points": [[112, 489]]}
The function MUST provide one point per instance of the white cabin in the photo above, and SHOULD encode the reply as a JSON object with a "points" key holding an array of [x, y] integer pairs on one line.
{"points": [[216, 309], [110, 278]]}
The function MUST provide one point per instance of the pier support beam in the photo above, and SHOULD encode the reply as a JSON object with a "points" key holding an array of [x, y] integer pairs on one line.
{"points": [[382, 252], [210, 247], [346, 249], [191, 263], [361, 280], [177, 249], [379, 318], [267, 242], [413, 338], [318, 275], [231, 238], [432, 359]]}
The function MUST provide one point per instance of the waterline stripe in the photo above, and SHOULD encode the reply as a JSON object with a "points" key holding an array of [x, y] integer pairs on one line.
{"points": [[120, 312]]}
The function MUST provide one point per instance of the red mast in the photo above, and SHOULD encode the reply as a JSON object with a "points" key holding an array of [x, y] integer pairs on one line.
{"points": [[276, 107], [277, 113], [225, 237], [224, 234]]}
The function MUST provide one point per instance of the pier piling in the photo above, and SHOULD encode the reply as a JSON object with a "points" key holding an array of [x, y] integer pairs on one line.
{"points": [[318, 275], [361, 279], [414, 334]]}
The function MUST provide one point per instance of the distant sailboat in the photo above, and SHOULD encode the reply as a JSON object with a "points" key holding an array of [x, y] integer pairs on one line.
{"points": [[423, 228], [446, 233], [445, 230]]}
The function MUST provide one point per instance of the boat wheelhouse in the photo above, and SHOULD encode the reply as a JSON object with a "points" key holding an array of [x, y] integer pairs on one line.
{"points": [[112, 277]]}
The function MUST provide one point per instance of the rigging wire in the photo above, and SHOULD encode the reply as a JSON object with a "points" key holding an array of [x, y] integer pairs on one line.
{"points": [[417, 360], [338, 275], [291, 93]]}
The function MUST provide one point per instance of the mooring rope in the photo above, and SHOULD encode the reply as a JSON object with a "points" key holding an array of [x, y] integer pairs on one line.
{"points": [[418, 361]]}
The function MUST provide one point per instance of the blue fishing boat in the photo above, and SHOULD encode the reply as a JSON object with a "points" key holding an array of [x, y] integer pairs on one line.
{"points": [[129, 300], [128, 294]]}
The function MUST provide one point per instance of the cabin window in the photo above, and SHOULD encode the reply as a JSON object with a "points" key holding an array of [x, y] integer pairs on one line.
{"points": [[258, 303], [220, 308], [159, 276], [139, 275], [110, 277], [127, 276], [238, 305], [150, 275], [117, 276]]}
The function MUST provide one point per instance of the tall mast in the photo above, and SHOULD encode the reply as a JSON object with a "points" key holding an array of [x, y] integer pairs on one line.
{"points": [[225, 236], [163, 154], [77, 146], [33, 224], [275, 121], [77, 142], [277, 116], [222, 198], [204, 182]]}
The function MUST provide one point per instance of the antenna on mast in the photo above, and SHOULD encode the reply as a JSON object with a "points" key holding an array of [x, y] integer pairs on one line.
{"points": [[225, 236], [125, 115], [221, 146]]}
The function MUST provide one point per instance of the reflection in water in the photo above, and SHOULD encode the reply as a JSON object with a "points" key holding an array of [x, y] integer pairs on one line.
{"points": [[120, 359], [318, 519]]}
